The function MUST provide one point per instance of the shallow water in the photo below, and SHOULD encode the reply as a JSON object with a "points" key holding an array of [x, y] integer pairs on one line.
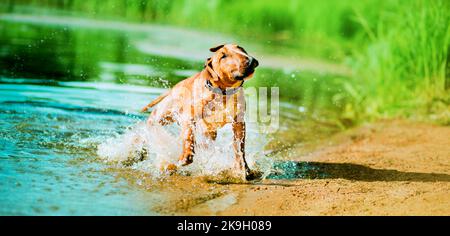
{"points": [[67, 87], [48, 142]]}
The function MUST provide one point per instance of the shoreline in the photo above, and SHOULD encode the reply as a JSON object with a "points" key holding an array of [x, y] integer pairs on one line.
{"points": [[392, 167]]}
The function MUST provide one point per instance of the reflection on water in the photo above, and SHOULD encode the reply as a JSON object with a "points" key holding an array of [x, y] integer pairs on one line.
{"points": [[64, 53], [66, 87]]}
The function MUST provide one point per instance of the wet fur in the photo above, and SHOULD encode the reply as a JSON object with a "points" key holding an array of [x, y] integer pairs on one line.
{"points": [[188, 100]]}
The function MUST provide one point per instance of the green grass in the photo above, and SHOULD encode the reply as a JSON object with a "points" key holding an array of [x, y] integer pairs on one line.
{"points": [[398, 49], [403, 71]]}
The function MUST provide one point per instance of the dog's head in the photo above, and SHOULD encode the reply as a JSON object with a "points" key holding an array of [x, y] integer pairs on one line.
{"points": [[230, 65]]}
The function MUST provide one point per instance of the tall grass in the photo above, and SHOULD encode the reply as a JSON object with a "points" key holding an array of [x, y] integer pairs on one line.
{"points": [[398, 49], [325, 29], [404, 68]]}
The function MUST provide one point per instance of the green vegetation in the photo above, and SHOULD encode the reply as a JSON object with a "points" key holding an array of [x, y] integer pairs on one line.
{"points": [[398, 50]]}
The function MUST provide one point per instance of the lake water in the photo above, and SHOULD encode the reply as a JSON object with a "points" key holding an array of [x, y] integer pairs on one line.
{"points": [[68, 85]]}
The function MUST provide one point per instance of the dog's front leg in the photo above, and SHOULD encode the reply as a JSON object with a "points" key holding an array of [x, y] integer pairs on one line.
{"points": [[239, 147], [187, 135]]}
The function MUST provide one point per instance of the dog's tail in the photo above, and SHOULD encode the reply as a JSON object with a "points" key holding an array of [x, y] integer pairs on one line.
{"points": [[154, 102]]}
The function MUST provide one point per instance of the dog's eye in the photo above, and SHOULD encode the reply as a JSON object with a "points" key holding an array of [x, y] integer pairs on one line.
{"points": [[223, 56]]}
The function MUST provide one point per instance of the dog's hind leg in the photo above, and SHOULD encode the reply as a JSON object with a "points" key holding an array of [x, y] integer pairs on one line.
{"points": [[210, 134], [160, 117], [208, 138]]}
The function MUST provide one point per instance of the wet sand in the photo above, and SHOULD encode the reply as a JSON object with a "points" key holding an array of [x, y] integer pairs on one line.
{"points": [[385, 168]]}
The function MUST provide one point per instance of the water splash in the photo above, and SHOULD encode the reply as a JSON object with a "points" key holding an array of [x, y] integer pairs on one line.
{"points": [[151, 148]]}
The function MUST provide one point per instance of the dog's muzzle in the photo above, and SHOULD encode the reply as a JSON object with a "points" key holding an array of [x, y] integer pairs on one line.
{"points": [[252, 64]]}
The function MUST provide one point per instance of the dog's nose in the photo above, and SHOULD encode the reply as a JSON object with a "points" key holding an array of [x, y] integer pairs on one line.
{"points": [[253, 63]]}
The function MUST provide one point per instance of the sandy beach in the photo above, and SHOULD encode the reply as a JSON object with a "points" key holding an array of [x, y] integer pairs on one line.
{"points": [[385, 168]]}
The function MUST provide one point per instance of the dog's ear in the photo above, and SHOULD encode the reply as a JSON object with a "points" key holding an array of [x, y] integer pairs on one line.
{"points": [[214, 49], [208, 62], [210, 70]]}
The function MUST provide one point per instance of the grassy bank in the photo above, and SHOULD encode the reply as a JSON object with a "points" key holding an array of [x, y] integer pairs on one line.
{"points": [[398, 49]]}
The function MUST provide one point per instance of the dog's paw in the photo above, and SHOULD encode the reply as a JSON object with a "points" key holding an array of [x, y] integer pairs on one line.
{"points": [[186, 160], [253, 175], [169, 169]]}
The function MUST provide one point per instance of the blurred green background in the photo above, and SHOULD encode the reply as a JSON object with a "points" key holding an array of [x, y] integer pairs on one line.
{"points": [[390, 57]]}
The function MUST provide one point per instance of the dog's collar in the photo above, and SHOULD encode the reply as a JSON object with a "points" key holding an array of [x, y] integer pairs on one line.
{"points": [[226, 92]]}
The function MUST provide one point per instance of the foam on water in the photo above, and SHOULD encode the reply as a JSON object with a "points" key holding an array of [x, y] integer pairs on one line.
{"points": [[152, 148]]}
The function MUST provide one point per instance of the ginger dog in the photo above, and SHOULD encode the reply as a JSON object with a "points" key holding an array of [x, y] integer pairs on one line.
{"points": [[207, 101]]}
